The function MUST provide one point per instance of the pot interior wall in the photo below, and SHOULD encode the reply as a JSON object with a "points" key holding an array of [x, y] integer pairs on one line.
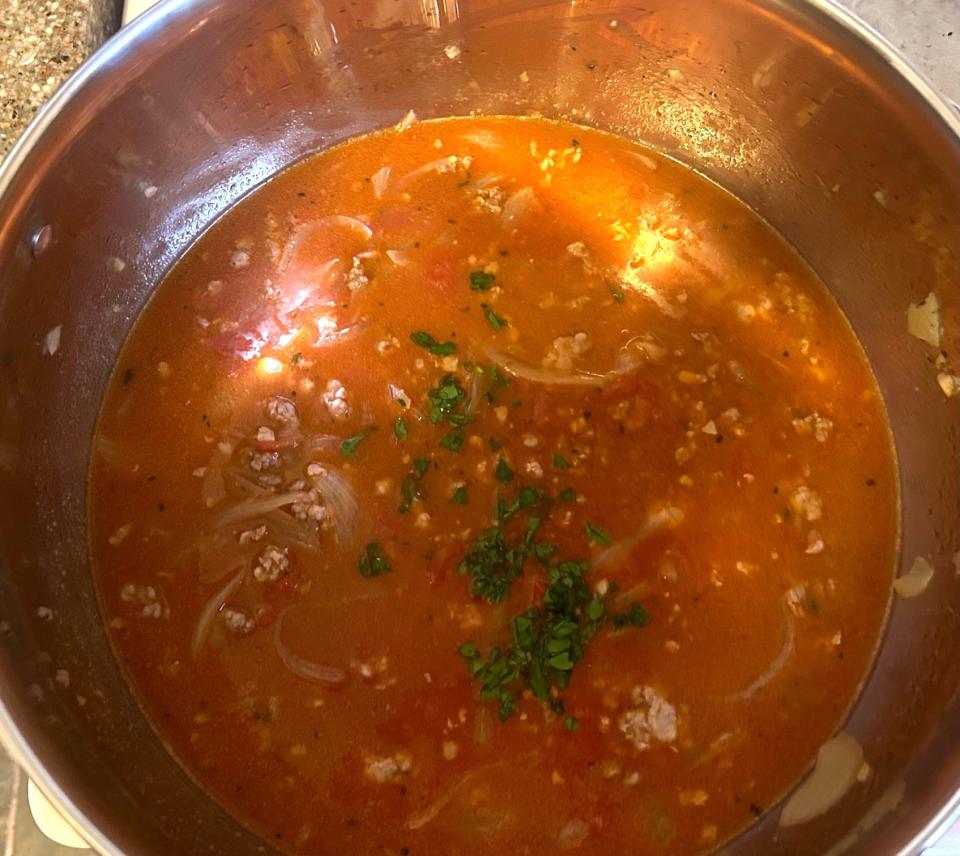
{"points": [[200, 102]]}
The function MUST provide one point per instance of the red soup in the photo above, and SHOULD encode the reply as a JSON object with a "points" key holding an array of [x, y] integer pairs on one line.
{"points": [[493, 485]]}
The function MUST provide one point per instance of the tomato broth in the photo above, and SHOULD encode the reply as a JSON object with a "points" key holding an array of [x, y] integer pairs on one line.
{"points": [[493, 485]]}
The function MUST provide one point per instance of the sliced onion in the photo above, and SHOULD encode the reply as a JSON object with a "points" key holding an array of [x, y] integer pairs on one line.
{"points": [[447, 164], [305, 231], [838, 763], [290, 530], [786, 649], [483, 139], [422, 818], [638, 592], [651, 350], [347, 222], [323, 443], [517, 205], [300, 666], [473, 394], [397, 394], [925, 321], [483, 182], [379, 180], [916, 580], [257, 507], [213, 489], [663, 518], [548, 376], [340, 501], [240, 481], [211, 550], [483, 725], [212, 607], [401, 258]]}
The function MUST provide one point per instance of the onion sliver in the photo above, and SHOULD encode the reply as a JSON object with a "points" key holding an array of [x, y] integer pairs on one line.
{"points": [[401, 258], [340, 502], [379, 180], [345, 221], [212, 607], [663, 518], [786, 649], [249, 508], [537, 375], [916, 580], [924, 320], [838, 764], [440, 165], [517, 205], [300, 666]]}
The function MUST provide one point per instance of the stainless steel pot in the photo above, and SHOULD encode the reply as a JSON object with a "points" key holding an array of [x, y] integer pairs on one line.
{"points": [[795, 106]]}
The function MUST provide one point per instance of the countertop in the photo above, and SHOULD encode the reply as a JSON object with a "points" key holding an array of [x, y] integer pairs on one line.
{"points": [[42, 41]]}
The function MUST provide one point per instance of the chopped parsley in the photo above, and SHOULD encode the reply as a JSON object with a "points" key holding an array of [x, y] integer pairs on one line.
{"points": [[453, 440], [595, 533], [636, 616], [444, 399], [547, 642], [502, 473], [410, 487], [495, 444], [400, 429], [498, 322], [348, 448], [439, 349], [617, 293], [481, 281], [372, 562], [560, 462], [567, 495], [496, 557], [459, 496]]}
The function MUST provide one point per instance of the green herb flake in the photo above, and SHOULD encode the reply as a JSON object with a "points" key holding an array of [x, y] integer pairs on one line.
{"points": [[635, 616], [453, 440], [439, 349], [503, 473], [498, 322], [481, 281], [459, 496], [495, 444], [571, 723], [348, 448], [547, 641], [567, 495], [445, 398], [560, 462], [595, 533], [400, 429], [410, 487], [372, 562], [617, 294]]}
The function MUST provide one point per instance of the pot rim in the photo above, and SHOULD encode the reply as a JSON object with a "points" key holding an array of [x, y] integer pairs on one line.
{"points": [[141, 29]]}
